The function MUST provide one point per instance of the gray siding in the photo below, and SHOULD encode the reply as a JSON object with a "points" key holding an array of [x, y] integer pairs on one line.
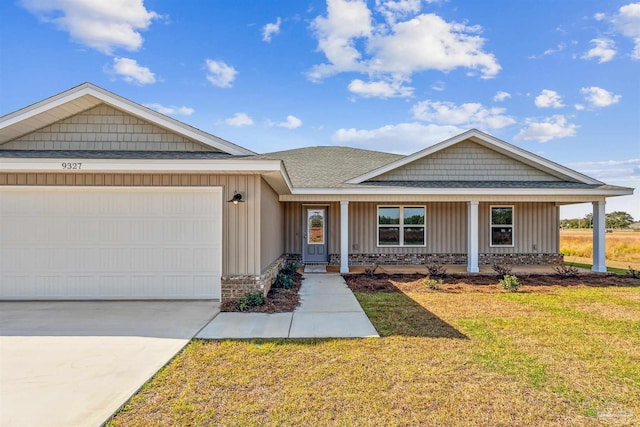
{"points": [[241, 223], [104, 128], [535, 224], [536, 228], [271, 226], [466, 161]]}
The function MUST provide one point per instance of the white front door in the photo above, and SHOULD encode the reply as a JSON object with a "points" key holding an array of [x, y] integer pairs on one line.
{"points": [[110, 242]]}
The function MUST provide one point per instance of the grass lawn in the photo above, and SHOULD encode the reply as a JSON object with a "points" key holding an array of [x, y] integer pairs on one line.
{"points": [[463, 355]]}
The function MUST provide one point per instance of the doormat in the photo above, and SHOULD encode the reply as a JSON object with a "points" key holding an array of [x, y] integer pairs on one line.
{"points": [[315, 268]]}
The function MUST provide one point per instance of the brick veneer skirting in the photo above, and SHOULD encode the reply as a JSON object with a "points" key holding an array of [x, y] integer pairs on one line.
{"points": [[447, 259], [236, 286]]}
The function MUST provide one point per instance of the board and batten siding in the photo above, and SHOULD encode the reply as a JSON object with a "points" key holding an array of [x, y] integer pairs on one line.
{"points": [[536, 228], [104, 128], [241, 223], [446, 223], [271, 226], [466, 161]]}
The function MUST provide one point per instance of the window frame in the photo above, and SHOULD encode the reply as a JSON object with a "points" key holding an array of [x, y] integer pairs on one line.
{"points": [[512, 225], [401, 225]]}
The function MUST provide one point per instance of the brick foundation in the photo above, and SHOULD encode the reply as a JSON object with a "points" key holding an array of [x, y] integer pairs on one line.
{"points": [[236, 286], [447, 259]]}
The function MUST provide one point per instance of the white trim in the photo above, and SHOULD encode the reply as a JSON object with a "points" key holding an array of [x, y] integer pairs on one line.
{"points": [[491, 142], [512, 225], [344, 236], [472, 236], [142, 165], [116, 101], [401, 226]]}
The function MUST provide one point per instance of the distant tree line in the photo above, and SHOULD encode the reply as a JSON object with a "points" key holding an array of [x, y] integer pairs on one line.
{"points": [[617, 219]]}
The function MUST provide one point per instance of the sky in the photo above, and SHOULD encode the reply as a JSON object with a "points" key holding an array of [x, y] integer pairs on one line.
{"points": [[558, 78]]}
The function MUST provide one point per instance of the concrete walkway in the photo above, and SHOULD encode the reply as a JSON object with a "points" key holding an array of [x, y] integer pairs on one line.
{"points": [[327, 309]]}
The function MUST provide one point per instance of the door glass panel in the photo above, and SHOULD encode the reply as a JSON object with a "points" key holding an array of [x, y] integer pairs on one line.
{"points": [[315, 227]]}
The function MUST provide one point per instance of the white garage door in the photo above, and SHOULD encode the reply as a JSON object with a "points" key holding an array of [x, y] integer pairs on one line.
{"points": [[110, 243]]}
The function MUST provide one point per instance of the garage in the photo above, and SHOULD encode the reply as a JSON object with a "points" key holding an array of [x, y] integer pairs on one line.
{"points": [[110, 243]]}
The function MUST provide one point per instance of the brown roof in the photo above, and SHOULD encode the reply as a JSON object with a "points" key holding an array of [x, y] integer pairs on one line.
{"points": [[323, 167]]}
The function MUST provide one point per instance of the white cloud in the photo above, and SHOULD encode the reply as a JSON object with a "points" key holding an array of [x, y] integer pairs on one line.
{"points": [[438, 86], [627, 21], [171, 110], [220, 74], [394, 50], [399, 138], [270, 29], [604, 50], [239, 120], [292, 122], [579, 107], [599, 16], [467, 115], [132, 72], [501, 96], [553, 127], [610, 170], [549, 99], [101, 25], [598, 97], [559, 48], [379, 89]]}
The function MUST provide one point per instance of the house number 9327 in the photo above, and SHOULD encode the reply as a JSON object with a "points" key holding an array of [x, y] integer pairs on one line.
{"points": [[71, 165]]}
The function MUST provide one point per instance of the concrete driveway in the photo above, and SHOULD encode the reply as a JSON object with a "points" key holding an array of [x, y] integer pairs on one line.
{"points": [[75, 363]]}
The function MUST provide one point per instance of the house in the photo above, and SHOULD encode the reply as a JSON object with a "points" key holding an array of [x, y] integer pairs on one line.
{"points": [[102, 198]]}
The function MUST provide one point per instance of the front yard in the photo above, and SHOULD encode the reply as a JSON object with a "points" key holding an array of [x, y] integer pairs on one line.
{"points": [[462, 355]]}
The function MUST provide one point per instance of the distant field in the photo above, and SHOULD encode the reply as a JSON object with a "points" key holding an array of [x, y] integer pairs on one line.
{"points": [[622, 250]]}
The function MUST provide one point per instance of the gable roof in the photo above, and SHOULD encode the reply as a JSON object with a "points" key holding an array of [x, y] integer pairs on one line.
{"points": [[487, 141], [325, 167], [86, 96]]}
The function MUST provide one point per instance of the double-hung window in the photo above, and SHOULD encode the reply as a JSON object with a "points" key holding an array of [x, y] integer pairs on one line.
{"points": [[501, 227], [401, 226]]}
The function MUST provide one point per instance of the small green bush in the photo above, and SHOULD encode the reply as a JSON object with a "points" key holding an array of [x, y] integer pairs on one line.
{"points": [[433, 284], [252, 299], [283, 280], [290, 268], [436, 270], [510, 283]]}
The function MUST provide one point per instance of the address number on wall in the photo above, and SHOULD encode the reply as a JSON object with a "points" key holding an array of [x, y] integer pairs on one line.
{"points": [[71, 165]]}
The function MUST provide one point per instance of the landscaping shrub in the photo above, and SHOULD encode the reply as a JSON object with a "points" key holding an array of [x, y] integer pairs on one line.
{"points": [[503, 268], [370, 270], [290, 268], [433, 284], [510, 283], [252, 299], [632, 272], [436, 270], [283, 280], [564, 270]]}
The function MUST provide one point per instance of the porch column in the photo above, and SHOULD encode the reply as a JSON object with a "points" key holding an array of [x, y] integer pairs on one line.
{"points": [[344, 236], [472, 237], [599, 227]]}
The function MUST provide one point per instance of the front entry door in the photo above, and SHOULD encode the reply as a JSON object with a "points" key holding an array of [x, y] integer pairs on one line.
{"points": [[314, 245]]}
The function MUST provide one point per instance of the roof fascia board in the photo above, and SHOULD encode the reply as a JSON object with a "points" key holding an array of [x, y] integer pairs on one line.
{"points": [[146, 165], [88, 89], [620, 191], [488, 141]]}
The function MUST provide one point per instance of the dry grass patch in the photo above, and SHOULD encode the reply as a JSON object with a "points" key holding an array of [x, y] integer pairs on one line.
{"points": [[449, 357], [622, 247]]}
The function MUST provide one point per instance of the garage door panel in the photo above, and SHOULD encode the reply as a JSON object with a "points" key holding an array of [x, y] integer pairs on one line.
{"points": [[118, 243]]}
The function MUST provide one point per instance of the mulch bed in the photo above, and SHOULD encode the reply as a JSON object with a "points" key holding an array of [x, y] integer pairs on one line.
{"points": [[278, 300], [483, 283]]}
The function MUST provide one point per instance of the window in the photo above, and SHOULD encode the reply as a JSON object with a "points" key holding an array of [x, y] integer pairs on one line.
{"points": [[501, 233], [401, 226]]}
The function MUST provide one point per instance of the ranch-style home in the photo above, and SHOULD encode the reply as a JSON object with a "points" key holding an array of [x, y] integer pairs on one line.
{"points": [[103, 198]]}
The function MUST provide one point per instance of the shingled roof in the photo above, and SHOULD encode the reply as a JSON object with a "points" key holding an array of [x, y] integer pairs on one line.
{"points": [[324, 167]]}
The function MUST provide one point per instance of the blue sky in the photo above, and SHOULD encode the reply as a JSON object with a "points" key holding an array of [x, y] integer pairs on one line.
{"points": [[558, 78]]}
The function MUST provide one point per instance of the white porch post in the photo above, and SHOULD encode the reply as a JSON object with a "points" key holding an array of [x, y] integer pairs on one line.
{"points": [[599, 226], [472, 237], [344, 236]]}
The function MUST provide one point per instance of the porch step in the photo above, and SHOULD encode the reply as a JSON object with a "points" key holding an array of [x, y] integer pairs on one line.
{"points": [[315, 268]]}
